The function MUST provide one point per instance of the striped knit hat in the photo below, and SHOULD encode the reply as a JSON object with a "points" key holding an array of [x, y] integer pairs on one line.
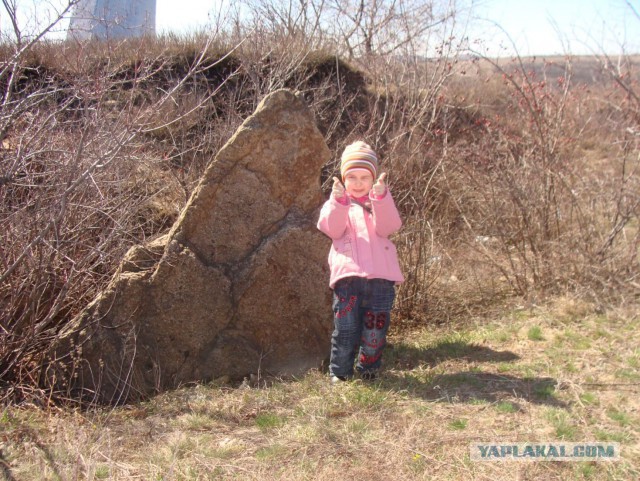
{"points": [[359, 156]]}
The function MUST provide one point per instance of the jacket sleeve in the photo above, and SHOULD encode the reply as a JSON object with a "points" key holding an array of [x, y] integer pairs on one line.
{"points": [[333, 218], [386, 218]]}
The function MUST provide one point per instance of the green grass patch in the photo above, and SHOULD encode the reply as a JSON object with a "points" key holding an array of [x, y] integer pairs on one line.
{"points": [[571, 367], [630, 374], [561, 421], [574, 340], [502, 336], [601, 333], [544, 390], [358, 426], [418, 464], [422, 409], [589, 398], [197, 422], [458, 424], [535, 333], [366, 395], [506, 367], [498, 333], [604, 435], [634, 358], [586, 471], [506, 407], [418, 377], [267, 421], [622, 418], [101, 472]]}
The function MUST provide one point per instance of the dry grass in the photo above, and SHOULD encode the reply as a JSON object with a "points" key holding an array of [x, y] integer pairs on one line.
{"points": [[562, 372], [513, 176]]}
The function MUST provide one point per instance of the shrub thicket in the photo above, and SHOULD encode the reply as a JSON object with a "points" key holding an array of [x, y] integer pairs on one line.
{"points": [[513, 177]]}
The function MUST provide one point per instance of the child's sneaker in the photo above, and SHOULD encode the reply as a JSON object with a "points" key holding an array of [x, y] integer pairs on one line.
{"points": [[337, 379], [368, 376]]}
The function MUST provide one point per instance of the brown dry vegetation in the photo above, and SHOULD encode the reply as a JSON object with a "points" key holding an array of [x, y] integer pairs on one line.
{"points": [[518, 184]]}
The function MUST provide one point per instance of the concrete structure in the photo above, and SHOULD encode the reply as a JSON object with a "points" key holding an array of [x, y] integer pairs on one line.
{"points": [[112, 19]]}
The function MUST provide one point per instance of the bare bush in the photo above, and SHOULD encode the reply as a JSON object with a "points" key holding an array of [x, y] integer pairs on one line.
{"points": [[520, 179], [616, 249], [96, 156], [355, 29], [536, 208], [102, 145]]}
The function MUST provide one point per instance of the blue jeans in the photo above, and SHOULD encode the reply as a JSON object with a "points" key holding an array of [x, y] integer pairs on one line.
{"points": [[361, 316]]}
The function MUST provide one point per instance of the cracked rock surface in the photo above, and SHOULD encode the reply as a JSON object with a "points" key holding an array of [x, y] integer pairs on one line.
{"points": [[239, 285]]}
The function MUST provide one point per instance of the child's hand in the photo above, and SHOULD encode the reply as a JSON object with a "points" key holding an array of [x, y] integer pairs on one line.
{"points": [[337, 190], [379, 188]]}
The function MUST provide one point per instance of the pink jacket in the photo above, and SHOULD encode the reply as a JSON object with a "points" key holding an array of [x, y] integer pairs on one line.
{"points": [[361, 245]]}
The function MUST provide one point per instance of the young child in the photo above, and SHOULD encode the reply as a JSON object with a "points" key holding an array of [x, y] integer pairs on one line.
{"points": [[359, 217]]}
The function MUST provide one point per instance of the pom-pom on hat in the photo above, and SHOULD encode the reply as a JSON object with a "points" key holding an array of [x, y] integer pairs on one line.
{"points": [[359, 155]]}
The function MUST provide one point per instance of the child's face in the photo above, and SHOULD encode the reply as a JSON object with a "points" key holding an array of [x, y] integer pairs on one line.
{"points": [[358, 182]]}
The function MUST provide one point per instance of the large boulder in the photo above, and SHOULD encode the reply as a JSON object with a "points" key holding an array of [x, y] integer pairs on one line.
{"points": [[237, 287]]}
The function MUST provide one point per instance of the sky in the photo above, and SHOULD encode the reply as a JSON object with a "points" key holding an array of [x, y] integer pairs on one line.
{"points": [[546, 27], [496, 27]]}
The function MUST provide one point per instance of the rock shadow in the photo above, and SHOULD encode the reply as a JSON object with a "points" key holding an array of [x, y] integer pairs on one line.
{"points": [[404, 357], [469, 385], [472, 386]]}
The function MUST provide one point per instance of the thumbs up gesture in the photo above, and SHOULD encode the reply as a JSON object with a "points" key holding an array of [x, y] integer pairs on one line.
{"points": [[337, 191], [379, 188]]}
